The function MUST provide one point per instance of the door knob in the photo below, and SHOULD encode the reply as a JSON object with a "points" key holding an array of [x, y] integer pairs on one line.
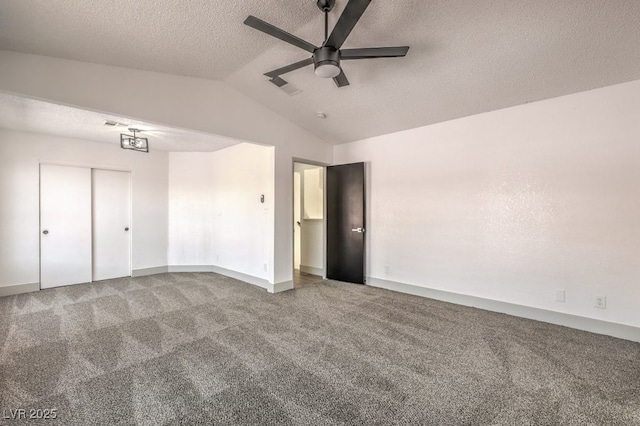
{"points": [[45, 232], [358, 230], [126, 229]]}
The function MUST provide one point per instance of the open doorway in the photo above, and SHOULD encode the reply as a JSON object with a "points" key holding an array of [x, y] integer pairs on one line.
{"points": [[308, 224]]}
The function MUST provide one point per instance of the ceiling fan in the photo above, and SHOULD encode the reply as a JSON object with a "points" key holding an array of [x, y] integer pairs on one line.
{"points": [[326, 58]]}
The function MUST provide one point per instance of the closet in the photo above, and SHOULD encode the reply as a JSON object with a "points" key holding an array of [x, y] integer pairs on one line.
{"points": [[84, 225]]}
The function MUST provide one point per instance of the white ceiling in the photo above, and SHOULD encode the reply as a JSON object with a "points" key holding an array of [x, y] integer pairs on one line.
{"points": [[466, 56], [18, 113]]}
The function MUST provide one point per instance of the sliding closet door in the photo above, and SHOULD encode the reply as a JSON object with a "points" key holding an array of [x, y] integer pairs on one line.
{"points": [[65, 225], [111, 223]]}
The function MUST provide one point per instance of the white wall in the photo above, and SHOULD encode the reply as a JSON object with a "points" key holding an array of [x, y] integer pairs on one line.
{"points": [[513, 204], [191, 103], [20, 156], [312, 246], [312, 225], [215, 213]]}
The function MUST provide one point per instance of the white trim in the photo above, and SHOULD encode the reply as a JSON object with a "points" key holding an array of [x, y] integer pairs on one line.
{"points": [[250, 279], [280, 287], [621, 331], [260, 282], [190, 268], [10, 290], [149, 271], [312, 270]]}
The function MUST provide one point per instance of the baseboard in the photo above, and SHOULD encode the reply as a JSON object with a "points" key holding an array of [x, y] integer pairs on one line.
{"points": [[621, 331], [190, 268], [149, 271], [281, 286], [250, 279], [312, 270], [260, 282], [10, 290]]}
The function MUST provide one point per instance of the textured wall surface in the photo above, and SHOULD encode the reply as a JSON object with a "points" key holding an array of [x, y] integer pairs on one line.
{"points": [[514, 204]]}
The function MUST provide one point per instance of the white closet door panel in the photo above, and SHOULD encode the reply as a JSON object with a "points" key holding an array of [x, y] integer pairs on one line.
{"points": [[65, 225], [111, 223]]}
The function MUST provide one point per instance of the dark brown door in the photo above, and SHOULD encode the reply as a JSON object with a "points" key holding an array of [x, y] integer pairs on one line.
{"points": [[345, 223]]}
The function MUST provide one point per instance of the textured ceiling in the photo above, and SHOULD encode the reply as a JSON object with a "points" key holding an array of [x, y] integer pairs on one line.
{"points": [[466, 56], [19, 113]]}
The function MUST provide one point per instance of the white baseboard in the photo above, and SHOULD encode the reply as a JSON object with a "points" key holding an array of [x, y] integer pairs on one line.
{"points": [[190, 268], [281, 286], [10, 290], [621, 331], [260, 282], [312, 270], [149, 271]]}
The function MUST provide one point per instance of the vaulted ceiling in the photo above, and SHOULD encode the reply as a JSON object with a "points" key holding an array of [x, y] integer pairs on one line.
{"points": [[466, 56]]}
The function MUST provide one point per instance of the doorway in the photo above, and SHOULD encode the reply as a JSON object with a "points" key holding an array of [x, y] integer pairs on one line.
{"points": [[308, 224]]}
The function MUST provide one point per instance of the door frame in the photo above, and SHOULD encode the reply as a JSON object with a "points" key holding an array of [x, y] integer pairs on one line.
{"points": [[90, 166], [324, 211]]}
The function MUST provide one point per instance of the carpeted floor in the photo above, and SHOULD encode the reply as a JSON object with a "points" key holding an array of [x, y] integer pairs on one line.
{"points": [[205, 349]]}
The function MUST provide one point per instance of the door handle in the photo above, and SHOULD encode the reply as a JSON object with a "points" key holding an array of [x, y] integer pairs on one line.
{"points": [[126, 229], [358, 230], [45, 232]]}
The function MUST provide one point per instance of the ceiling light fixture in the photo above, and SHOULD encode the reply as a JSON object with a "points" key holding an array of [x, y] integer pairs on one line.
{"points": [[326, 62], [134, 142]]}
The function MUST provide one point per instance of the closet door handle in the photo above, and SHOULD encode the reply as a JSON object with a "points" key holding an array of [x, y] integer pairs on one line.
{"points": [[126, 229], [45, 232]]}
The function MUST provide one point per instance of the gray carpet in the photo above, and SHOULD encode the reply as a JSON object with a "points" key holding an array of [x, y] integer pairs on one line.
{"points": [[205, 349]]}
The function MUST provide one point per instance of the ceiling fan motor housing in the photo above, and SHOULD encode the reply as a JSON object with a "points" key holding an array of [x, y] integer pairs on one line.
{"points": [[326, 56]]}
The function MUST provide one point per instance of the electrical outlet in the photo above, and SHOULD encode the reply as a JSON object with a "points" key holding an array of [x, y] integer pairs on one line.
{"points": [[387, 269], [601, 302], [217, 258], [264, 266], [560, 296]]}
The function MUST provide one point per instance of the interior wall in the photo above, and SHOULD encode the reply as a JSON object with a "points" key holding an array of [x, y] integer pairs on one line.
{"points": [[297, 217], [514, 204], [20, 156], [216, 216], [311, 223], [185, 102]]}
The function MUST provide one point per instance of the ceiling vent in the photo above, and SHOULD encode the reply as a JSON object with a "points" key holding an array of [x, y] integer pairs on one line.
{"points": [[286, 87], [111, 123]]}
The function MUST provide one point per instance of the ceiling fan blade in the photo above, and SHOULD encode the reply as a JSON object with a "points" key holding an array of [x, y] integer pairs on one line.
{"points": [[289, 68], [374, 52], [341, 79], [349, 18], [276, 32], [278, 81]]}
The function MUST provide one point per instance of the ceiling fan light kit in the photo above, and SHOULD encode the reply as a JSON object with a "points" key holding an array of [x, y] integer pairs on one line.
{"points": [[326, 58], [326, 62]]}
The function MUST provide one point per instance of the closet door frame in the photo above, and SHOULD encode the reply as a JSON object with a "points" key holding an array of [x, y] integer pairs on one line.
{"points": [[90, 166]]}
